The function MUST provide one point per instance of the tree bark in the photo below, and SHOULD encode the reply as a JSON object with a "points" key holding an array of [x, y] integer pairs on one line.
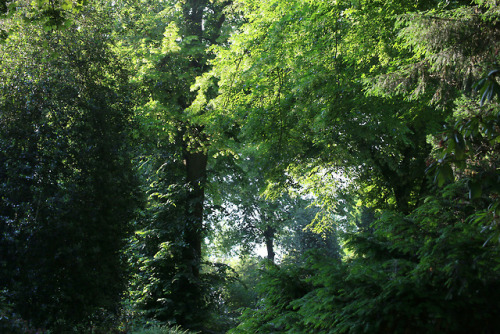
{"points": [[269, 239], [196, 172]]}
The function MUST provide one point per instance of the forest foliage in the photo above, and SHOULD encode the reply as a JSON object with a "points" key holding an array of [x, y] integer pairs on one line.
{"points": [[149, 148]]}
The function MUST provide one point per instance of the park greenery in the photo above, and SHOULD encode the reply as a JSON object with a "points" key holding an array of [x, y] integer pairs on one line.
{"points": [[149, 148]]}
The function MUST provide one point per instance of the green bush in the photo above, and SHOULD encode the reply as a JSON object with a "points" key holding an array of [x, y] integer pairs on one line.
{"points": [[427, 272]]}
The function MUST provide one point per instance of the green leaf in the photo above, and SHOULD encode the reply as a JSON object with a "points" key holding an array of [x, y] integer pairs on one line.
{"points": [[488, 87]]}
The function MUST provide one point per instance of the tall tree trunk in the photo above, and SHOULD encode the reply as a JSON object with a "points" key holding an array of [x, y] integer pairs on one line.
{"points": [[196, 172]]}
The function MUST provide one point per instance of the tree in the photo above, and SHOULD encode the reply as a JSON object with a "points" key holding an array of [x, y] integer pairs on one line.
{"points": [[170, 53], [67, 183], [293, 82], [247, 219], [462, 58], [422, 260]]}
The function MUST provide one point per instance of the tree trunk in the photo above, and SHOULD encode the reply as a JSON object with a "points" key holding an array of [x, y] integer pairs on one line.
{"points": [[190, 307], [196, 172], [195, 162], [269, 239]]}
